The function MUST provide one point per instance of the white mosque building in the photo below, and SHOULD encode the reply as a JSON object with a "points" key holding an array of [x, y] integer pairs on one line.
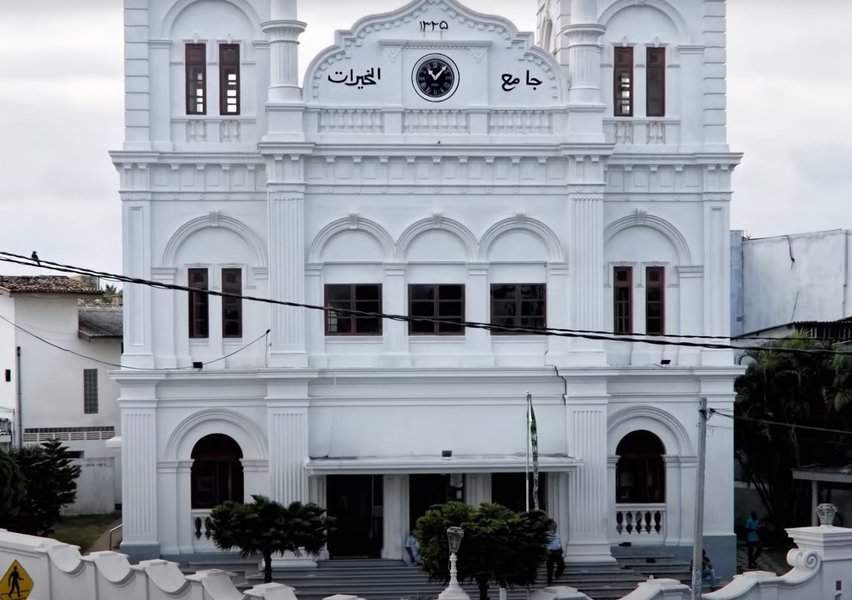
{"points": [[438, 163]]}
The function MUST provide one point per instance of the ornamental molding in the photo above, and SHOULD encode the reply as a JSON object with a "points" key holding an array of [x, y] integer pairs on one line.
{"points": [[640, 218]]}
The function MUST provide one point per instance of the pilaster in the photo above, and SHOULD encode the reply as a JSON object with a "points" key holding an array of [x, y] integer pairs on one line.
{"points": [[715, 72], [478, 341], [139, 471], [674, 504], [287, 277], [395, 333], [137, 80], [395, 515], [288, 445], [477, 488], [284, 101], [136, 232], [558, 312], [588, 537]]}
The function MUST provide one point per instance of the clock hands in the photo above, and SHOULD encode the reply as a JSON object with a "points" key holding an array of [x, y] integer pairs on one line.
{"points": [[432, 74]]}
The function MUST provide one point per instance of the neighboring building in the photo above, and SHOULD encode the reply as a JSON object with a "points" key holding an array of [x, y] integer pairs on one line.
{"points": [[50, 393], [776, 281], [436, 162]]}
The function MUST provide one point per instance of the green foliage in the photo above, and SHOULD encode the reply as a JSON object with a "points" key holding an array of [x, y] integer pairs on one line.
{"points": [[805, 389], [49, 484], [13, 487], [499, 545], [265, 528]]}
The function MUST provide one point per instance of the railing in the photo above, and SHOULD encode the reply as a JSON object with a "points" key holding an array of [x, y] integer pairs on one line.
{"points": [[521, 121], [112, 532], [640, 522], [205, 130], [429, 121], [350, 120], [202, 538], [642, 132]]}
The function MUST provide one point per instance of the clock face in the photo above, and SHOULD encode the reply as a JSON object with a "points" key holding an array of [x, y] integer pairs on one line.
{"points": [[435, 77]]}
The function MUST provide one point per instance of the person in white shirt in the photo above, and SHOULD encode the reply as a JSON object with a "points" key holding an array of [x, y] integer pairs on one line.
{"points": [[411, 549], [554, 556]]}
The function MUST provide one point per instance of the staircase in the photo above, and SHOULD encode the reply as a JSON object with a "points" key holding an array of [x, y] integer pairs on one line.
{"points": [[651, 562], [393, 580]]}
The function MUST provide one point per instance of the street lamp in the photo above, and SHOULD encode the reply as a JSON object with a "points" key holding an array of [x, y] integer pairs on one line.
{"points": [[454, 591]]}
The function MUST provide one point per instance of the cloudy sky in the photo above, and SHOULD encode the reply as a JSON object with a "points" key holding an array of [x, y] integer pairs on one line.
{"points": [[61, 111]]}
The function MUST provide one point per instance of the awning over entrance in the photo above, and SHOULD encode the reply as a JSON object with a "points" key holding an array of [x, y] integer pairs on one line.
{"points": [[492, 463], [822, 474]]}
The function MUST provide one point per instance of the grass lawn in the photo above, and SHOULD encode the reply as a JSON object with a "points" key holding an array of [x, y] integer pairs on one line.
{"points": [[83, 530]]}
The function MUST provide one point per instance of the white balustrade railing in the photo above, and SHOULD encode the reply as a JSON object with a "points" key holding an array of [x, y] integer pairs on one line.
{"points": [[202, 538], [350, 120], [430, 121], [642, 132], [212, 130], [520, 121], [639, 522]]}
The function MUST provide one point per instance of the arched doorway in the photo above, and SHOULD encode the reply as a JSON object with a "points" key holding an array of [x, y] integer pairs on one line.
{"points": [[217, 473], [640, 474]]}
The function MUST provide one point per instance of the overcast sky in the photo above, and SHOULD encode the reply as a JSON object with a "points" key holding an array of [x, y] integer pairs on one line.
{"points": [[61, 111]]}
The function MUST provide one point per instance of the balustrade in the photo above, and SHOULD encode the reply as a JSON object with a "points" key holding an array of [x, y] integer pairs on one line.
{"points": [[642, 132], [640, 521]]}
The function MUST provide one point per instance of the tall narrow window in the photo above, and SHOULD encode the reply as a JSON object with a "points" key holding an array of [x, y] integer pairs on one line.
{"points": [[196, 79], [229, 79], [441, 302], [90, 391], [655, 293], [199, 304], [232, 308], [623, 296], [655, 88], [623, 82], [356, 297], [520, 305]]}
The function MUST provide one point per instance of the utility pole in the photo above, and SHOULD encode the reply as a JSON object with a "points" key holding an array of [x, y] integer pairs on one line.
{"points": [[698, 530]]}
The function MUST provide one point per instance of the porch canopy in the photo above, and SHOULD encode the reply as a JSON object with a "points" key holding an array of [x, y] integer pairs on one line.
{"points": [[824, 474], [416, 464]]}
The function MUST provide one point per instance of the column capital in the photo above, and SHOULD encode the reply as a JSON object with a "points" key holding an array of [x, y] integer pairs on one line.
{"points": [[283, 30]]}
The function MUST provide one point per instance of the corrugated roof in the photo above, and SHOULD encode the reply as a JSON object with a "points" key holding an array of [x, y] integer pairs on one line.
{"points": [[100, 322], [47, 284]]}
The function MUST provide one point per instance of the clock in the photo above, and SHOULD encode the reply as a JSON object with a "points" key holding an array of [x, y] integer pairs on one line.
{"points": [[435, 77]]}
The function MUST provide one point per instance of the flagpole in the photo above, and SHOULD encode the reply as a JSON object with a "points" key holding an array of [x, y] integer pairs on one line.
{"points": [[527, 469]]}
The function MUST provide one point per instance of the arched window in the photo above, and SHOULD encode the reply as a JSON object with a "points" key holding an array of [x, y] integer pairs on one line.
{"points": [[217, 473], [640, 476]]}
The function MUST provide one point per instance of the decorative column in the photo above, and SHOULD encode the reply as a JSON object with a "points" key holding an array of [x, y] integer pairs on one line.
{"points": [[136, 232], [691, 311], [395, 333], [478, 341], [612, 484], [674, 509], [318, 490], [183, 478], [587, 217], [588, 505], [139, 472], [557, 502], [284, 100], [477, 488], [558, 311], [715, 73], [287, 277], [395, 516], [288, 451], [580, 50], [717, 282]]}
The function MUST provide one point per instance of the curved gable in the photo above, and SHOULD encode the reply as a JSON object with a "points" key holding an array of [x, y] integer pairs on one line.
{"points": [[388, 46]]}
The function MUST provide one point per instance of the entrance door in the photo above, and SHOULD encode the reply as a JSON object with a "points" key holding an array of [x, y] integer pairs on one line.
{"points": [[355, 501], [427, 490], [509, 490]]}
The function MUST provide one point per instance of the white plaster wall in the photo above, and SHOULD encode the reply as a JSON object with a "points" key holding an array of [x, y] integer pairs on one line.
{"points": [[7, 356], [801, 277]]}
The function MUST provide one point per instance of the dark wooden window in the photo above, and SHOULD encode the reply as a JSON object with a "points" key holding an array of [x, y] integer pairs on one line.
{"points": [[199, 304], [655, 88], [229, 79], [623, 82], [623, 300], [655, 296], [518, 305], [232, 308], [217, 473], [444, 302], [640, 473], [361, 297], [90, 391], [196, 79]]}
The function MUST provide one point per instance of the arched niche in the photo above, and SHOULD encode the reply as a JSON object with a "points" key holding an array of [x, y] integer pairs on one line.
{"points": [[640, 237], [521, 238], [640, 474], [438, 239], [656, 18], [214, 238], [247, 434], [217, 471], [352, 239], [186, 18]]}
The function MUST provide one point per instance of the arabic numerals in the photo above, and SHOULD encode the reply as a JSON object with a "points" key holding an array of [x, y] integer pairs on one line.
{"points": [[433, 26]]}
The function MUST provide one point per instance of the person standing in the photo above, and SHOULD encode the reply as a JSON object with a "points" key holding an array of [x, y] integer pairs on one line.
{"points": [[554, 555], [753, 539]]}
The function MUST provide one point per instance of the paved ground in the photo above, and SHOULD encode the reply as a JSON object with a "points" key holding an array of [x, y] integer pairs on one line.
{"points": [[773, 560], [102, 543]]}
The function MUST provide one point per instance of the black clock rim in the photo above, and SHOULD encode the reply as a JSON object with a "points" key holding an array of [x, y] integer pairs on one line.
{"points": [[450, 62]]}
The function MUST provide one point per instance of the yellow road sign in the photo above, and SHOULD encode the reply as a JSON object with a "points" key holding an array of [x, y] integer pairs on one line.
{"points": [[16, 583]]}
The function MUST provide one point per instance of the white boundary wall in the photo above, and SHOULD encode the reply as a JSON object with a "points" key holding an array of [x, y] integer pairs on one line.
{"points": [[822, 569]]}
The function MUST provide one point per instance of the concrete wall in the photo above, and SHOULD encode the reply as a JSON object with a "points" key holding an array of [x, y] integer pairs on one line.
{"points": [[96, 487], [800, 277], [7, 358]]}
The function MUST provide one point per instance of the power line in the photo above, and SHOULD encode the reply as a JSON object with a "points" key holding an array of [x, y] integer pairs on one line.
{"points": [[119, 365], [780, 423], [567, 333]]}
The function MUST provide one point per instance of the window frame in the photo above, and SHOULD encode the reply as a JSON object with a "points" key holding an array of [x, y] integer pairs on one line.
{"points": [[655, 86], [353, 302], [627, 67], [657, 285], [236, 303], [90, 392], [436, 303], [223, 80], [518, 300], [198, 302], [191, 89], [616, 303]]}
